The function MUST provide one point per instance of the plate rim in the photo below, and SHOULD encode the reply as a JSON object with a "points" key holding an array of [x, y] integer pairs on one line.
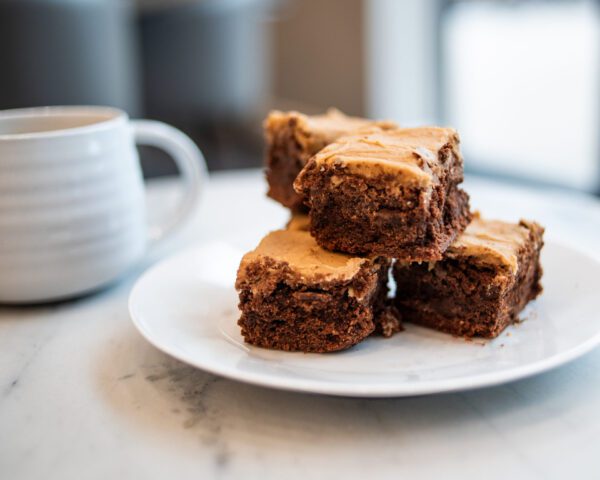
{"points": [[347, 389]]}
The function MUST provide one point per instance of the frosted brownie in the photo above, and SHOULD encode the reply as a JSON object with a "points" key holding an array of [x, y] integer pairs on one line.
{"points": [[296, 296], [393, 193], [387, 318], [292, 138], [486, 278]]}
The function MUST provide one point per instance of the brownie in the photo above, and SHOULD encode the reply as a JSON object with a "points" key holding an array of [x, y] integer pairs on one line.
{"points": [[292, 138], [296, 296], [486, 278], [387, 192], [387, 317]]}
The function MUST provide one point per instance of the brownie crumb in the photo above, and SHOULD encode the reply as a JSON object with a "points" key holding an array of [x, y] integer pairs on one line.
{"points": [[389, 321]]}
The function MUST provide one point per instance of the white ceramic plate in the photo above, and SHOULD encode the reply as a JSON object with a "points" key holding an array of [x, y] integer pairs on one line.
{"points": [[187, 307]]}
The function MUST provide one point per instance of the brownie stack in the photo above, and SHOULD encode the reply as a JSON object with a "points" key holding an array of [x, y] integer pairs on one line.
{"points": [[376, 195]]}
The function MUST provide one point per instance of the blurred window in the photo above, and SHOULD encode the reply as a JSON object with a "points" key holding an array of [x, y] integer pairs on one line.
{"points": [[519, 79], [522, 86]]}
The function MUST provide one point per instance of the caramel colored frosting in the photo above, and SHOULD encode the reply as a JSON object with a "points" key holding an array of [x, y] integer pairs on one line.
{"points": [[491, 242], [300, 251], [315, 131], [411, 154], [298, 221], [333, 124]]}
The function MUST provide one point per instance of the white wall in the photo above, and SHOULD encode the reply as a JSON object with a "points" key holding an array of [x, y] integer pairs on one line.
{"points": [[519, 80], [523, 88], [401, 45]]}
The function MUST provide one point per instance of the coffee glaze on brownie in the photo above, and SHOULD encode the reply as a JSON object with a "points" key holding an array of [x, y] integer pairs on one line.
{"points": [[391, 193], [293, 137], [296, 296], [298, 221], [487, 276]]}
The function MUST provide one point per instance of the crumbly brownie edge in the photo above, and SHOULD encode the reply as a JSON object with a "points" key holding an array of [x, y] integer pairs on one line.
{"points": [[285, 158], [388, 320], [528, 284]]}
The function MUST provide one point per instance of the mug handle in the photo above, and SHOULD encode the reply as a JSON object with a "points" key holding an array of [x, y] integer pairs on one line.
{"points": [[189, 161]]}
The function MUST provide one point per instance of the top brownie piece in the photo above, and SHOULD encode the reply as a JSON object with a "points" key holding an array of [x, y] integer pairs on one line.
{"points": [[292, 138], [392, 193]]}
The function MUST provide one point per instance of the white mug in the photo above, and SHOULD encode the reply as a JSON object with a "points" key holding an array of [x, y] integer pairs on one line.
{"points": [[72, 206]]}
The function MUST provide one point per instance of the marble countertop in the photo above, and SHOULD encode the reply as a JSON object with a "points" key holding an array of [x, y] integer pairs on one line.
{"points": [[83, 395]]}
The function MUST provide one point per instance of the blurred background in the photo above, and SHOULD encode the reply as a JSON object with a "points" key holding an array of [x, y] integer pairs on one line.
{"points": [[519, 79]]}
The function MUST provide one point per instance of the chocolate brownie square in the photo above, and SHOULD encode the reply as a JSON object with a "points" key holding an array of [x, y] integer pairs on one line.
{"points": [[296, 296], [392, 193], [486, 278], [292, 138]]}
